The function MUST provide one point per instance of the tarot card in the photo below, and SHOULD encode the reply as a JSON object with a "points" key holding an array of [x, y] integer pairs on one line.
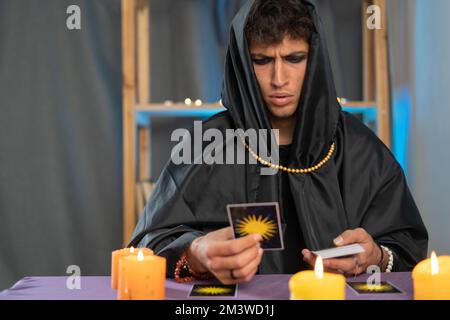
{"points": [[382, 288], [260, 218], [338, 252]]}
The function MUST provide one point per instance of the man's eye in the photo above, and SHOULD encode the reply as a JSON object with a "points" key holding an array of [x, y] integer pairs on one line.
{"points": [[262, 61], [296, 59]]}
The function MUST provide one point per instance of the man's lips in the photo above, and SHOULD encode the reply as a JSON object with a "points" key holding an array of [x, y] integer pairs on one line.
{"points": [[281, 99]]}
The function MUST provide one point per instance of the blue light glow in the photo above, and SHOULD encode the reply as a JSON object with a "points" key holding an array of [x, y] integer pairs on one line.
{"points": [[401, 111]]}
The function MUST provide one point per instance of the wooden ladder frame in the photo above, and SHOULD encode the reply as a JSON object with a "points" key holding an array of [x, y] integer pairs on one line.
{"points": [[376, 80]]}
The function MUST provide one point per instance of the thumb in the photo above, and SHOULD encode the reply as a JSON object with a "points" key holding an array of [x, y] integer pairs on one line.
{"points": [[350, 237], [345, 238], [339, 241]]}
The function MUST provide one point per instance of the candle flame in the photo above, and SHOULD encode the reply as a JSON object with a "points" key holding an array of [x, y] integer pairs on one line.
{"points": [[318, 269], [132, 249], [434, 264], [140, 255]]}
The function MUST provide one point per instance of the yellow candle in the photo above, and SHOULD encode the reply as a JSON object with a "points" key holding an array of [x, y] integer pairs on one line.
{"points": [[317, 285], [431, 278], [142, 277], [116, 256]]}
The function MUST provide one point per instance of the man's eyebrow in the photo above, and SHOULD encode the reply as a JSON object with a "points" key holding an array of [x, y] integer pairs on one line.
{"points": [[262, 55]]}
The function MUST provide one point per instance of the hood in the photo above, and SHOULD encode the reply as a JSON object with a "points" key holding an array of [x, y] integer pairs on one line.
{"points": [[318, 110]]}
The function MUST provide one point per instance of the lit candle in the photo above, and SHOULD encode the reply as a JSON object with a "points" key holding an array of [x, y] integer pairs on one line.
{"points": [[317, 285], [188, 101], [431, 278], [116, 256], [143, 277], [198, 103]]}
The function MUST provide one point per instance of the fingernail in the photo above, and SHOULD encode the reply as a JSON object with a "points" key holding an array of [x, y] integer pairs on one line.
{"points": [[257, 237], [338, 240]]}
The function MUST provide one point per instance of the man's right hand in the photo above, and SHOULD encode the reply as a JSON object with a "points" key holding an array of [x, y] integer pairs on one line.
{"points": [[222, 255]]}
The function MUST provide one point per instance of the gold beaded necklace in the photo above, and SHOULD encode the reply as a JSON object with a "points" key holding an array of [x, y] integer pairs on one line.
{"points": [[291, 170]]}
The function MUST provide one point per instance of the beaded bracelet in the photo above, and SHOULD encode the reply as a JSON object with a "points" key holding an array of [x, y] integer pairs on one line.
{"points": [[391, 259], [382, 256], [184, 272]]}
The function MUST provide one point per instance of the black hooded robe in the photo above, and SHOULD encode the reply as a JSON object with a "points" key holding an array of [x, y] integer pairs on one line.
{"points": [[361, 186]]}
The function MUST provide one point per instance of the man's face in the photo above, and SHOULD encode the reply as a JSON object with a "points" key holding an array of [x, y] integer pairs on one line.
{"points": [[280, 70]]}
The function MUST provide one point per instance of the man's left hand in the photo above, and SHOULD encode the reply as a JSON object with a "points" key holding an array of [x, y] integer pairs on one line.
{"points": [[356, 264]]}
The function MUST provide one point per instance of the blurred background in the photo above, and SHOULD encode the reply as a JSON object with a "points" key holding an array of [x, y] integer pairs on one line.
{"points": [[61, 125]]}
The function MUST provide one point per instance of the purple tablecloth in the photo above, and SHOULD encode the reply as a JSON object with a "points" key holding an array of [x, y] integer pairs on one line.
{"points": [[262, 287]]}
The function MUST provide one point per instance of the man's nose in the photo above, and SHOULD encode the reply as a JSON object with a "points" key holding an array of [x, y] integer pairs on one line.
{"points": [[279, 77]]}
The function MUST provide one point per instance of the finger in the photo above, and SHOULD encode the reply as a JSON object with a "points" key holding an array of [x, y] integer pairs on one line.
{"points": [[347, 265], [224, 276], [308, 257], [334, 271], [246, 271], [351, 236], [250, 276], [362, 258], [233, 247], [238, 261]]}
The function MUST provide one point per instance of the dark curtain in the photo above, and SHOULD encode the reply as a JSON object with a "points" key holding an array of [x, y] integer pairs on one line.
{"points": [[189, 39], [60, 138]]}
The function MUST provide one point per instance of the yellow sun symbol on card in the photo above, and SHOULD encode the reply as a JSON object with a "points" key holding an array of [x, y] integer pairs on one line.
{"points": [[212, 290], [252, 224], [373, 288]]}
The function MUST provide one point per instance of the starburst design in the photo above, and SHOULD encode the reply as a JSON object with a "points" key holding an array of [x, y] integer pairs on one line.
{"points": [[261, 225], [213, 290], [373, 288]]}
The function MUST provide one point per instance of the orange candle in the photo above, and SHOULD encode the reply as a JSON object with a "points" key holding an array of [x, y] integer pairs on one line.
{"points": [[142, 277], [431, 278], [116, 256]]}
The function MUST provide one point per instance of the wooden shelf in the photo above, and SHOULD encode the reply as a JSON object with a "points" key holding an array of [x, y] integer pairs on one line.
{"points": [[177, 107], [359, 104], [161, 107]]}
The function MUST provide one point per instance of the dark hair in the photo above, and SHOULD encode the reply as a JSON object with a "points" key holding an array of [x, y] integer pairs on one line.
{"points": [[269, 21]]}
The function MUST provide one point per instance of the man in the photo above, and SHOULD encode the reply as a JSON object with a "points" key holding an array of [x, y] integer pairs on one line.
{"points": [[278, 76]]}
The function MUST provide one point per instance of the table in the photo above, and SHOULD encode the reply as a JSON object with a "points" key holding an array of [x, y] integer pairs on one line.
{"points": [[262, 287]]}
